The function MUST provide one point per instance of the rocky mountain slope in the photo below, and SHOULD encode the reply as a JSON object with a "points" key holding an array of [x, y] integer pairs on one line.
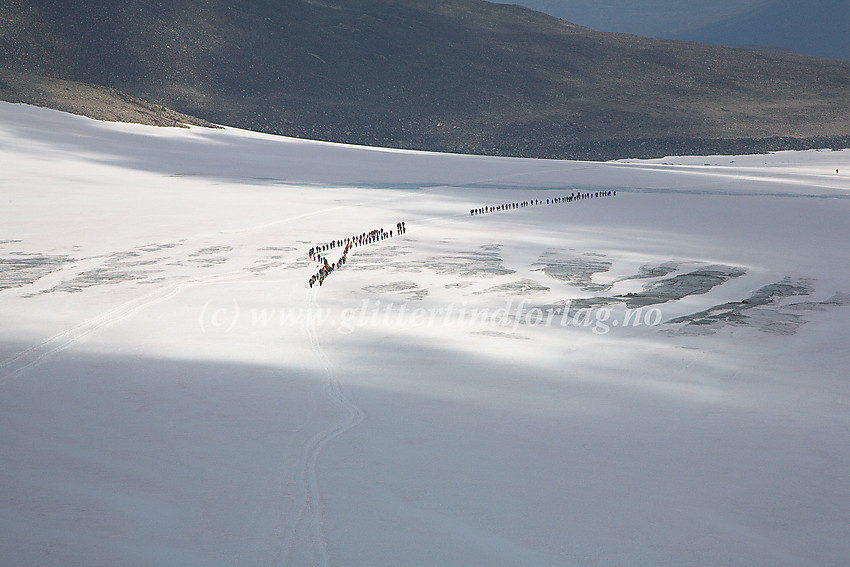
{"points": [[453, 75]]}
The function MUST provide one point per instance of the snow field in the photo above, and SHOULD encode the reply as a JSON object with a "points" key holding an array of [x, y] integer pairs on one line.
{"points": [[173, 393]]}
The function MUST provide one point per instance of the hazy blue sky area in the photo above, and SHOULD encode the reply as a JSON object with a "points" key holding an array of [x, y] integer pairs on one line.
{"points": [[814, 27]]}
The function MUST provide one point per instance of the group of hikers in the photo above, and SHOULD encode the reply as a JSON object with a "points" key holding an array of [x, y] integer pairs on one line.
{"points": [[328, 267], [550, 201], [317, 252]]}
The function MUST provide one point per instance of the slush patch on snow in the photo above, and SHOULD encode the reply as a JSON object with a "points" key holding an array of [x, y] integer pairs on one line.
{"points": [[837, 300], [575, 305], [25, 268], [277, 249], [407, 288], [648, 272], [210, 256], [573, 268], [458, 285], [501, 335], [276, 260], [519, 287], [393, 286], [98, 276], [380, 257], [157, 247], [417, 294], [762, 310], [119, 267], [486, 262], [678, 287]]}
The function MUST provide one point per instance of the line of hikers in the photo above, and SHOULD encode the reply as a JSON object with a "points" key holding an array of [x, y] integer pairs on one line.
{"points": [[317, 252], [328, 267], [550, 201]]}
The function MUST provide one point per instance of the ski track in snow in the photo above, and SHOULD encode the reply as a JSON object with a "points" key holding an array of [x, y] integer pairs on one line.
{"points": [[34, 356], [309, 505]]}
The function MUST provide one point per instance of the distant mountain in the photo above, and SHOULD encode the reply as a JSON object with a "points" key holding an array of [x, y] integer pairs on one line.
{"points": [[652, 18], [815, 27], [445, 75]]}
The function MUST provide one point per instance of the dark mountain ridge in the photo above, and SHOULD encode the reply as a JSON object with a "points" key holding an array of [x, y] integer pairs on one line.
{"points": [[815, 27], [460, 76]]}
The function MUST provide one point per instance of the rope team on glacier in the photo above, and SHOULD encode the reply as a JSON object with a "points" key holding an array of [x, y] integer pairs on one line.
{"points": [[533, 202], [318, 252]]}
